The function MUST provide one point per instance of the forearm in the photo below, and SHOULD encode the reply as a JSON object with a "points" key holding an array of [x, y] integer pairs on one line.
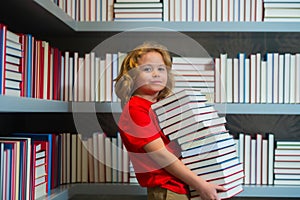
{"points": [[174, 166]]}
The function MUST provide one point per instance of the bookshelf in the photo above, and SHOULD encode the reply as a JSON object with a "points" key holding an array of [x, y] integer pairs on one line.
{"points": [[66, 34]]}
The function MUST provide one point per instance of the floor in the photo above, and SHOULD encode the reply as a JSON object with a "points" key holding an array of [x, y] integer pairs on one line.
{"points": [[108, 197]]}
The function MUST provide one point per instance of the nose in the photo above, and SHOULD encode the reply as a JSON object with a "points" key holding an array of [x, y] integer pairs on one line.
{"points": [[155, 73]]}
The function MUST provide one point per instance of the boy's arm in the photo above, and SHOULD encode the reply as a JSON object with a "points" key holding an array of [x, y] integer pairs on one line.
{"points": [[159, 153]]}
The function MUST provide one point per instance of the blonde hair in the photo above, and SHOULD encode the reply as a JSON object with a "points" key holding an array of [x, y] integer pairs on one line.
{"points": [[124, 86]]}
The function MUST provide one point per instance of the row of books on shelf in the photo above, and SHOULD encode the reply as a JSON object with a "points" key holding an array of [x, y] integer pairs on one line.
{"points": [[33, 164], [270, 78], [173, 10], [33, 68]]}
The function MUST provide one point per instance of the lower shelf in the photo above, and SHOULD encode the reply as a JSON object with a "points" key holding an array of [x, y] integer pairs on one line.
{"points": [[65, 192]]}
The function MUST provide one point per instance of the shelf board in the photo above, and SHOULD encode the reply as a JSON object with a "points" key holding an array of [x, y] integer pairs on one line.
{"points": [[135, 189], [32, 105], [265, 109], [112, 26]]}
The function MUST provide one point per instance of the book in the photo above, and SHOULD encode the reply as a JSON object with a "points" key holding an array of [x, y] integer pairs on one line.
{"points": [[176, 104], [199, 134], [173, 124], [196, 127], [225, 195], [211, 161], [183, 108], [209, 155], [205, 140], [177, 96], [208, 148]]}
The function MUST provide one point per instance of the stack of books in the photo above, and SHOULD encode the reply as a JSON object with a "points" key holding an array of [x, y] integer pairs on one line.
{"points": [[195, 72], [207, 147], [132, 10], [287, 163], [285, 10]]}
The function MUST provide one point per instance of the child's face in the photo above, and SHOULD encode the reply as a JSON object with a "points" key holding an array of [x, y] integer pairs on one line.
{"points": [[152, 76]]}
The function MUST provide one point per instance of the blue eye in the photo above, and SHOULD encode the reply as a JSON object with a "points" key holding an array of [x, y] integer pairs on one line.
{"points": [[147, 68], [162, 68]]}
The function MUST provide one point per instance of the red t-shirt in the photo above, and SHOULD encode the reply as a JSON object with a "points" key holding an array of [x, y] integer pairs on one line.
{"points": [[138, 126]]}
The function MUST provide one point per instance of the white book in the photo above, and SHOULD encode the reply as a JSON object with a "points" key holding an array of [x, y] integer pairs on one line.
{"points": [[213, 10], [259, 10], [101, 155], [104, 10], [282, 12], [247, 159], [209, 155], [87, 77], [236, 11], [263, 82], [227, 194], [241, 57], [183, 11], [138, 5], [203, 11], [108, 159], [281, 78], [229, 81], [247, 10], [93, 75], [258, 158], [177, 97], [223, 173], [258, 78], [199, 134], [197, 127], [196, 11], [242, 10], [80, 82], [231, 10], [46, 68], [217, 80], [216, 167], [225, 11], [287, 67], [271, 144], [297, 95], [108, 76], [187, 114], [171, 10], [223, 73], [208, 148], [211, 161], [241, 147], [102, 80], [235, 77], [275, 77], [198, 142], [253, 78], [219, 10], [71, 79], [95, 154], [177, 15], [253, 162], [264, 164], [247, 81], [201, 99], [293, 79], [196, 119], [208, 11], [182, 108], [165, 10], [114, 157]]}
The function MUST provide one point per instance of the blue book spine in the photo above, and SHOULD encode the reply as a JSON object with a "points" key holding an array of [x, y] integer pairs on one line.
{"points": [[29, 67]]}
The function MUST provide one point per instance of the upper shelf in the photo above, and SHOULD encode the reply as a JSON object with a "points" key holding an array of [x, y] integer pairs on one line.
{"points": [[168, 26], [19, 105]]}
